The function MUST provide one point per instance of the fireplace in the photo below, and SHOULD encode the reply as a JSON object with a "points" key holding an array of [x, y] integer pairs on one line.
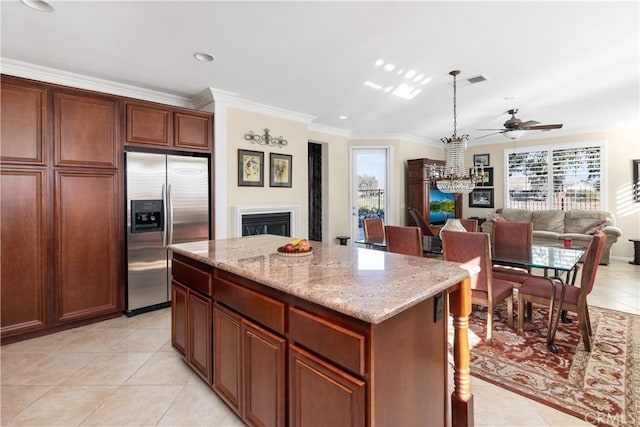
{"points": [[267, 223], [273, 216]]}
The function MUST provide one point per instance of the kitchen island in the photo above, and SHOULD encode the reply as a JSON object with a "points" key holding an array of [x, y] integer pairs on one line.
{"points": [[343, 336]]}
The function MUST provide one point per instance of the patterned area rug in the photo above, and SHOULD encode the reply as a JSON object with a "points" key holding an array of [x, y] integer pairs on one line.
{"points": [[601, 387]]}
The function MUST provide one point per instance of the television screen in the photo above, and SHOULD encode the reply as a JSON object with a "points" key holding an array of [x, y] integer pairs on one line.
{"points": [[442, 206]]}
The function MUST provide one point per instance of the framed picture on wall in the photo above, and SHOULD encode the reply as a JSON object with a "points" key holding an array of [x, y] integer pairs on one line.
{"points": [[487, 180], [280, 175], [481, 198], [481, 160], [250, 168], [636, 181]]}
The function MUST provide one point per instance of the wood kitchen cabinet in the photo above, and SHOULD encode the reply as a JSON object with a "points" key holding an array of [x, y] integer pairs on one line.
{"points": [[155, 125], [419, 184], [317, 385], [87, 244], [61, 208], [249, 368], [192, 316], [23, 250], [24, 134]]}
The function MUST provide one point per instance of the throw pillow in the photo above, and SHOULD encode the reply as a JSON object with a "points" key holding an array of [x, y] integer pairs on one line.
{"points": [[496, 217], [598, 225]]}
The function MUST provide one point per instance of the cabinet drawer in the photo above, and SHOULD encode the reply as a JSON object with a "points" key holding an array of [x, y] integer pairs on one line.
{"points": [[254, 305], [192, 277], [340, 345]]}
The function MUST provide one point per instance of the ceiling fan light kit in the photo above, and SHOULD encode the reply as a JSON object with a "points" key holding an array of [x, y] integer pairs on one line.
{"points": [[453, 176]]}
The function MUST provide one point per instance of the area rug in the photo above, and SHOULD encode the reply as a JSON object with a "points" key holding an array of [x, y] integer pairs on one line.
{"points": [[601, 387]]}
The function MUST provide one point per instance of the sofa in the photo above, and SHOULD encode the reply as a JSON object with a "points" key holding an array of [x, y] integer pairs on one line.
{"points": [[553, 226]]}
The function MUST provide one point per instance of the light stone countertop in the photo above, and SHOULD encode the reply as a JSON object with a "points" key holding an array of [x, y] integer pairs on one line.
{"points": [[370, 285]]}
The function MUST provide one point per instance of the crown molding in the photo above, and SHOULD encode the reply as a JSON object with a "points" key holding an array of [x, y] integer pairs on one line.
{"points": [[51, 75], [395, 136], [232, 99], [315, 127]]}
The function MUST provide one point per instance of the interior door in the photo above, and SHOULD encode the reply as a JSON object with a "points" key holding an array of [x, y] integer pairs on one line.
{"points": [[371, 194]]}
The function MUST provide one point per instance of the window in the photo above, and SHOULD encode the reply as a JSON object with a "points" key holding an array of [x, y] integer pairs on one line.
{"points": [[564, 177]]}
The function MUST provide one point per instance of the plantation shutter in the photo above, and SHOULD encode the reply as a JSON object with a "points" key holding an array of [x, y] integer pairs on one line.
{"points": [[564, 178]]}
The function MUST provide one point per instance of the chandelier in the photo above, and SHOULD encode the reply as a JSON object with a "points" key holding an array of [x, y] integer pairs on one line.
{"points": [[265, 139], [453, 176]]}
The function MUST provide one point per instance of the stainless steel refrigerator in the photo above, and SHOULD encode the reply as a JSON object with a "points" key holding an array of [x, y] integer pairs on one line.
{"points": [[167, 202]]}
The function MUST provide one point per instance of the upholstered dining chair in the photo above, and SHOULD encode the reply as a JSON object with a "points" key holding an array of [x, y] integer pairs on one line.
{"points": [[512, 239], [472, 249], [537, 290], [373, 229], [420, 222], [404, 239], [469, 224]]}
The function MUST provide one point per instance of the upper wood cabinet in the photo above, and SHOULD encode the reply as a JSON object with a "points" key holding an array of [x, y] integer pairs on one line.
{"points": [[24, 122], [86, 129], [155, 125]]}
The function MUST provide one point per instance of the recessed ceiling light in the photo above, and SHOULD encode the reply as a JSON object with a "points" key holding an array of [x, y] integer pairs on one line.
{"points": [[343, 117], [40, 5], [389, 67], [379, 62], [203, 57]]}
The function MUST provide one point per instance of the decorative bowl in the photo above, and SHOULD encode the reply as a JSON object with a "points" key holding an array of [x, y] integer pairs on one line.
{"points": [[294, 254]]}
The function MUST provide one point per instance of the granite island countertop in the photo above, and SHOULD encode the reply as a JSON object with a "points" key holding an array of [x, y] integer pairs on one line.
{"points": [[366, 284]]}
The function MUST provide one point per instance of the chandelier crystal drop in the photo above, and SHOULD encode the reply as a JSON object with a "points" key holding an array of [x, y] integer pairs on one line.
{"points": [[453, 176]]}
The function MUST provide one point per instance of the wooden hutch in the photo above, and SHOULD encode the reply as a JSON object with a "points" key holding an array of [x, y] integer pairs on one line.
{"points": [[418, 184]]}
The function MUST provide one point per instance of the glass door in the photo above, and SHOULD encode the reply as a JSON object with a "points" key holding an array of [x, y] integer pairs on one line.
{"points": [[370, 187]]}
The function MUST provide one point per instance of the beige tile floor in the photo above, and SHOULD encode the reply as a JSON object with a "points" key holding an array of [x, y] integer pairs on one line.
{"points": [[123, 372]]}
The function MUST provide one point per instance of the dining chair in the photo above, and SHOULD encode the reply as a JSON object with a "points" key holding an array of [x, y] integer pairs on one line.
{"points": [[538, 290], [472, 249], [512, 239], [404, 239], [469, 224], [420, 222], [373, 229]]}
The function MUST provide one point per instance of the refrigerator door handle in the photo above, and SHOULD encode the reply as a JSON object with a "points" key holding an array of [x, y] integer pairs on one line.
{"points": [[164, 233], [170, 215]]}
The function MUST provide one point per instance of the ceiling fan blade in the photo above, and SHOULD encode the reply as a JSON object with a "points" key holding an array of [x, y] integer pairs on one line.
{"points": [[493, 129], [529, 123], [545, 127], [489, 134]]}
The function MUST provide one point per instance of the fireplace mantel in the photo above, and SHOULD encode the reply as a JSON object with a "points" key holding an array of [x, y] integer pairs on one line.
{"points": [[239, 210]]}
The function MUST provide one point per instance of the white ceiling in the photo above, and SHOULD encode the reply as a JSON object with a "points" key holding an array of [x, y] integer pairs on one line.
{"points": [[575, 63]]}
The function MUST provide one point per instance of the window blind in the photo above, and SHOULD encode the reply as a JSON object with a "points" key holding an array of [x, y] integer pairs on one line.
{"points": [[559, 177]]}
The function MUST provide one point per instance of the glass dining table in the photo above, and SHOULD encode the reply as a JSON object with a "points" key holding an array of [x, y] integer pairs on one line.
{"points": [[559, 260]]}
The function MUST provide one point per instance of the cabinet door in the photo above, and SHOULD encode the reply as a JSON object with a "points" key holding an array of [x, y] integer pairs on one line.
{"points": [[199, 332], [179, 304], [23, 250], [193, 132], [264, 376], [86, 130], [227, 356], [24, 118], [321, 394], [148, 125], [87, 236]]}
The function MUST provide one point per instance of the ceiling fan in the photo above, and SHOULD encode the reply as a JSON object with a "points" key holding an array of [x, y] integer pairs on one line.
{"points": [[515, 128]]}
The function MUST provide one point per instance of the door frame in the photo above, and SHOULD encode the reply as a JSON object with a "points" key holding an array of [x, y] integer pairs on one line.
{"points": [[389, 213]]}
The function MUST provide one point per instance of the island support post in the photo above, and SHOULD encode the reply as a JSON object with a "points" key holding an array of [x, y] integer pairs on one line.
{"points": [[461, 398]]}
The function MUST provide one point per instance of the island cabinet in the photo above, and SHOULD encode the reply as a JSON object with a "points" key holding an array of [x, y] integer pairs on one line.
{"points": [[192, 315], [155, 125], [282, 357]]}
